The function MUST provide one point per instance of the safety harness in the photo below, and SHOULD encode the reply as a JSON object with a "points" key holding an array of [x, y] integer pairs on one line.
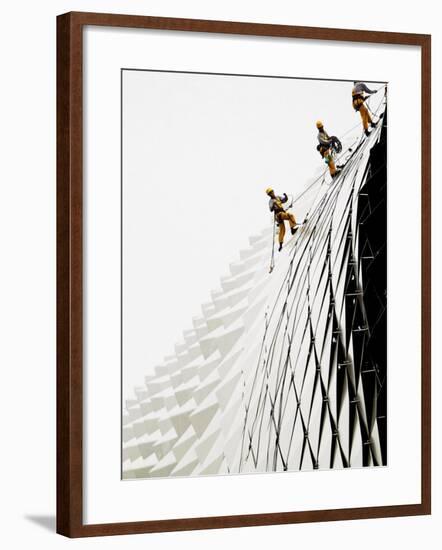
{"points": [[358, 101], [335, 146]]}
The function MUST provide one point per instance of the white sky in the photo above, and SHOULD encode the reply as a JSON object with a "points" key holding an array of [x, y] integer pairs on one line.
{"points": [[198, 153]]}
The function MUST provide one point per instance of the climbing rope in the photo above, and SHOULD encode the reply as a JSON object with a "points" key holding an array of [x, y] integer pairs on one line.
{"points": [[272, 258]]}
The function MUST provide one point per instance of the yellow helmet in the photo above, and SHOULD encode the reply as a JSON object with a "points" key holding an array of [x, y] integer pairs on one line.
{"points": [[319, 124], [269, 190]]}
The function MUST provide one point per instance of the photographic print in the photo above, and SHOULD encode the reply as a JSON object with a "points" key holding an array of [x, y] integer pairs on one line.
{"points": [[253, 273]]}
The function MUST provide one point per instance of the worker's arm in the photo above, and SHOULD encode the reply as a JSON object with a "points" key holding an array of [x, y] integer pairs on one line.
{"points": [[366, 89]]}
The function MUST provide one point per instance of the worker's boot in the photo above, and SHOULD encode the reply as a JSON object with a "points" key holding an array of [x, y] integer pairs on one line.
{"points": [[294, 229], [280, 247], [367, 132]]}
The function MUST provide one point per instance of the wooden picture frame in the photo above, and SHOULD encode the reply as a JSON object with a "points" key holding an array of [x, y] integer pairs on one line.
{"points": [[70, 272]]}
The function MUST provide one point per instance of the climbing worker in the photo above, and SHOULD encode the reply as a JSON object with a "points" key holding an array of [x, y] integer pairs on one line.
{"points": [[327, 145], [359, 96], [281, 215]]}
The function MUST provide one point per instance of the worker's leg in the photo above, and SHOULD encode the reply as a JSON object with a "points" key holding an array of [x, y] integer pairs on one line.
{"points": [[369, 120], [358, 105], [365, 116], [281, 231], [331, 163], [287, 216], [292, 222]]}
